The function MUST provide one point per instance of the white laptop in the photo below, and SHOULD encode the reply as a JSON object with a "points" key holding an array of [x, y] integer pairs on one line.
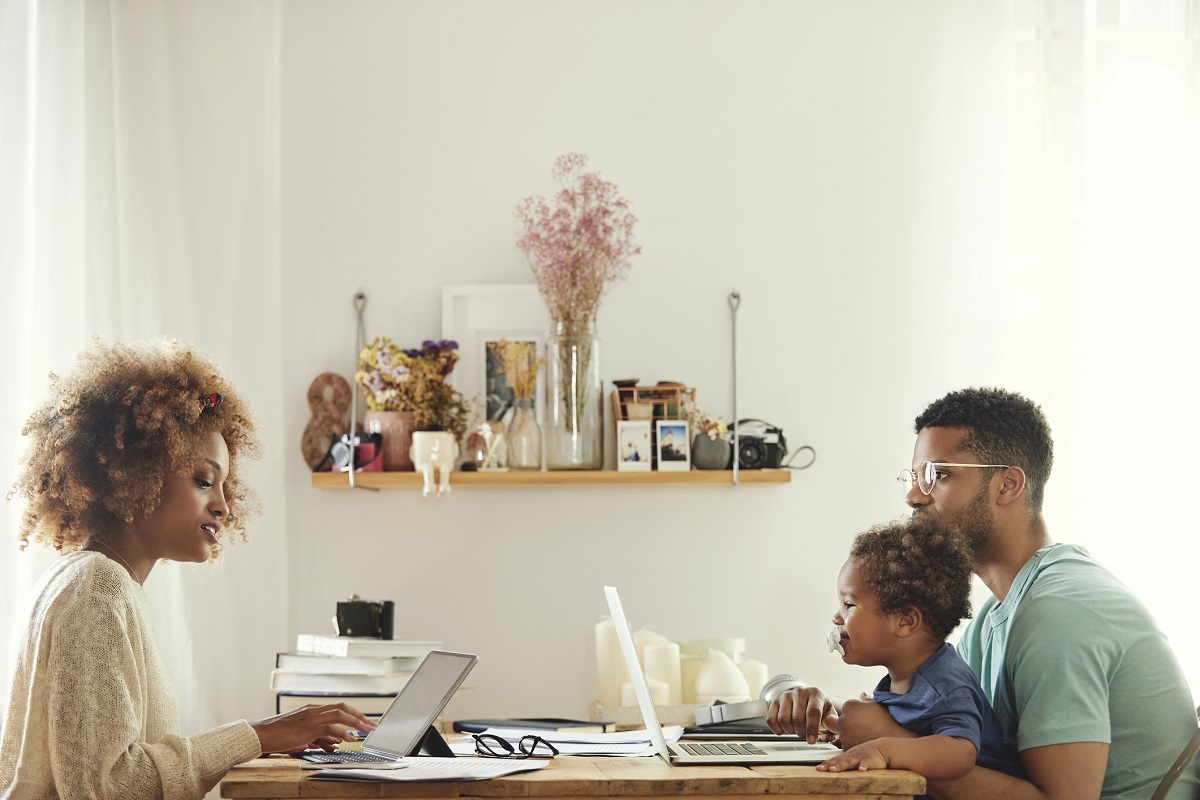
{"points": [[406, 728], [706, 751]]}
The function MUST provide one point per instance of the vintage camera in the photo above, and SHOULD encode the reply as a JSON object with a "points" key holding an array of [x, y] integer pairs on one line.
{"points": [[358, 617], [368, 455], [760, 445]]}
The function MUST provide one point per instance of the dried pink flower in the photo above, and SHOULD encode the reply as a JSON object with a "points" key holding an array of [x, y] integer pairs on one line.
{"points": [[579, 246]]}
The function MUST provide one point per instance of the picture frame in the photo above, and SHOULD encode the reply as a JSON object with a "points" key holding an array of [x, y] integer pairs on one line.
{"points": [[474, 315], [674, 445], [634, 450]]}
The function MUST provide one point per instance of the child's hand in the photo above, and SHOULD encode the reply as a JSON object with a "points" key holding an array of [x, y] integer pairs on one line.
{"points": [[865, 756]]}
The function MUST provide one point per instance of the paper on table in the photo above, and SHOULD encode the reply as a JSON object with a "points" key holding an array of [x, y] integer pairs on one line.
{"points": [[420, 768], [569, 743]]}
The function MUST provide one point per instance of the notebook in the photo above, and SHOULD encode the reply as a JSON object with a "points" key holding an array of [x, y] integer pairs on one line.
{"points": [[406, 728], [708, 751]]}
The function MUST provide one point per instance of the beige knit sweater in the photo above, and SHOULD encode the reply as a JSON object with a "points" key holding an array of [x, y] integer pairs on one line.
{"points": [[92, 713]]}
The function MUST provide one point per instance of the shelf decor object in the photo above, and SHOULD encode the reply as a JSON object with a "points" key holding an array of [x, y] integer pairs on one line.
{"points": [[666, 401], [578, 244]]}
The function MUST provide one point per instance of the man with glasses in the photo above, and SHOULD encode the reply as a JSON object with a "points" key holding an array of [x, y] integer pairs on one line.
{"points": [[1084, 683]]}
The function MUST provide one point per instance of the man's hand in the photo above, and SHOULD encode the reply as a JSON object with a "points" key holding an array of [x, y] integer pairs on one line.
{"points": [[805, 711], [310, 726]]}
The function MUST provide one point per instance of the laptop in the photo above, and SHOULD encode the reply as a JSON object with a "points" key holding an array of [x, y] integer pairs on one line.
{"points": [[707, 751], [406, 728]]}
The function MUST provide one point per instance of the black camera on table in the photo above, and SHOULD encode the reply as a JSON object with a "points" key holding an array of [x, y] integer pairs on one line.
{"points": [[358, 617], [760, 445]]}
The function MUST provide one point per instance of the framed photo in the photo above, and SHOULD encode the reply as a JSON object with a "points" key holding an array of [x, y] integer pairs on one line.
{"points": [[634, 450], [674, 446], [481, 314]]}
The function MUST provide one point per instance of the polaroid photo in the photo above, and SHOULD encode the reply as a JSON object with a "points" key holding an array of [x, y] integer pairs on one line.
{"points": [[633, 445], [674, 450]]}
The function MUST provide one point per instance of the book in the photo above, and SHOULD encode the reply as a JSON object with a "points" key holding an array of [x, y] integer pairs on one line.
{"points": [[362, 646], [359, 665], [373, 705], [283, 680], [532, 723]]}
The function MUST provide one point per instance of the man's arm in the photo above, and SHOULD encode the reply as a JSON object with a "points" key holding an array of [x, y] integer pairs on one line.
{"points": [[936, 757], [805, 711], [1056, 772]]}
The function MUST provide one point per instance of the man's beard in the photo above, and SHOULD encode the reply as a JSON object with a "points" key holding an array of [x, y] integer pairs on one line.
{"points": [[976, 521]]}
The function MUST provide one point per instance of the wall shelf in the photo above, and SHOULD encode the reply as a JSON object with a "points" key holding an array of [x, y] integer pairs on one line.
{"points": [[404, 480]]}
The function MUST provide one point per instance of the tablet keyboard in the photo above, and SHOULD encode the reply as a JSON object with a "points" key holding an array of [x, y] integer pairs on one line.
{"points": [[344, 757]]}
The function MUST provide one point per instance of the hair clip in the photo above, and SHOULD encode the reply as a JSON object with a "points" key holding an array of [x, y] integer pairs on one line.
{"points": [[212, 401]]}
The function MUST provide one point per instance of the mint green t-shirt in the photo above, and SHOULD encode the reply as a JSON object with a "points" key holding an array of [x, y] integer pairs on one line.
{"points": [[1072, 656]]}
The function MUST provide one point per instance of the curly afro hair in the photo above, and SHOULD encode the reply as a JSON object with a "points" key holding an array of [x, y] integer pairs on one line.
{"points": [[1005, 428], [101, 444], [917, 563]]}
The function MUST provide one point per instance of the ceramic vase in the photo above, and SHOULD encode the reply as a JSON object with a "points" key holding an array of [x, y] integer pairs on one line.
{"points": [[524, 437], [396, 427], [573, 431], [710, 453]]}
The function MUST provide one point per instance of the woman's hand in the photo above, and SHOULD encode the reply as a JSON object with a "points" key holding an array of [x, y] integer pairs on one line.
{"points": [[307, 727]]}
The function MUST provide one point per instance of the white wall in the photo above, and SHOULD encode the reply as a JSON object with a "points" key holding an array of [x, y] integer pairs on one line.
{"points": [[839, 164]]}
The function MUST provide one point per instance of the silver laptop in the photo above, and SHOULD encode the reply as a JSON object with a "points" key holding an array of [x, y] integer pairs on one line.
{"points": [[706, 751], [406, 728]]}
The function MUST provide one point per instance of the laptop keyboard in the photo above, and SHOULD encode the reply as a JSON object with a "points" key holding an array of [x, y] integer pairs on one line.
{"points": [[345, 757], [720, 749]]}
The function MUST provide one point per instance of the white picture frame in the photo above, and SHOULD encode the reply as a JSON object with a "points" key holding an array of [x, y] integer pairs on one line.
{"points": [[475, 314], [674, 445], [634, 450]]}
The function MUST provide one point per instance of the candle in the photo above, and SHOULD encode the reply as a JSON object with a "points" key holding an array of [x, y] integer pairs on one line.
{"points": [[610, 664], [658, 693], [662, 663]]}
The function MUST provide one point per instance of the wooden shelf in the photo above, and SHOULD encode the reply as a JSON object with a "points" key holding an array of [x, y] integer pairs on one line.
{"points": [[696, 477]]}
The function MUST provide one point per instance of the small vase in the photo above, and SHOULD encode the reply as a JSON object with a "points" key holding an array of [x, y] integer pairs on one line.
{"points": [[524, 437], [710, 453], [396, 428], [574, 412]]}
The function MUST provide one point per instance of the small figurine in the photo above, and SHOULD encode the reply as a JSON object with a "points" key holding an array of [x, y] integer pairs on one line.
{"points": [[434, 453], [495, 459]]}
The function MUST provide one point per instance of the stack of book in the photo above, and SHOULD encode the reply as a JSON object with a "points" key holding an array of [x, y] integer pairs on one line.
{"points": [[362, 672]]}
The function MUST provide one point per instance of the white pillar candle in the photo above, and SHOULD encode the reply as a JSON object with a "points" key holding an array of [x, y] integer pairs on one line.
{"points": [[643, 637], [689, 665], [658, 693], [662, 663], [610, 664], [755, 673]]}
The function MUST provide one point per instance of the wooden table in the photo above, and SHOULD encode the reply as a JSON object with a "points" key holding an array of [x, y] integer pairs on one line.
{"points": [[580, 777]]}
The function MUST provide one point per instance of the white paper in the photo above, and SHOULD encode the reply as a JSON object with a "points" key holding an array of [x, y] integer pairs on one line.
{"points": [[570, 743], [421, 768]]}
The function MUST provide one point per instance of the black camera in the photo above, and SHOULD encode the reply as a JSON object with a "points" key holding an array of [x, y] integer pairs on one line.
{"points": [[760, 445], [358, 617], [368, 454]]}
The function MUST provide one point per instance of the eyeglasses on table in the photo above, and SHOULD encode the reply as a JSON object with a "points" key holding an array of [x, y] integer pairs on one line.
{"points": [[489, 745]]}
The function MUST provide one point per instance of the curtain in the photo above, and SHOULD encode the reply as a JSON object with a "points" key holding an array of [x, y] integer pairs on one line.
{"points": [[139, 148], [1106, 194]]}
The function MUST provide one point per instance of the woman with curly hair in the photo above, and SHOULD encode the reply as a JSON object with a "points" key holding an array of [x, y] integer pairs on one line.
{"points": [[903, 590], [132, 459]]}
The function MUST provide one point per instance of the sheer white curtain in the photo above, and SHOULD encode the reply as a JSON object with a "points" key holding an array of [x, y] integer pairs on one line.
{"points": [[139, 155], [1106, 110]]}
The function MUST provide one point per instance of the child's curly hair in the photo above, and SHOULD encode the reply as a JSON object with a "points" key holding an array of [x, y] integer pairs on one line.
{"points": [[918, 563], [102, 442]]}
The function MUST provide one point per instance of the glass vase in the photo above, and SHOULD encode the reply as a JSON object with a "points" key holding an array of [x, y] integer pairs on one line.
{"points": [[574, 413], [524, 436]]}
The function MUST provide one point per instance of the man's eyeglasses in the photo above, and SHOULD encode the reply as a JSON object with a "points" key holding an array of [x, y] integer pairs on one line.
{"points": [[927, 472], [489, 745]]}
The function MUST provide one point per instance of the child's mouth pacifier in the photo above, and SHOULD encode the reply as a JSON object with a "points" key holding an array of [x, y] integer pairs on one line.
{"points": [[835, 642]]}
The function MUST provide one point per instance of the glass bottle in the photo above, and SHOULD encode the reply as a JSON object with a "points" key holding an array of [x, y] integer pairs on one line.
{"points": [[575, 412], [524, 436]]}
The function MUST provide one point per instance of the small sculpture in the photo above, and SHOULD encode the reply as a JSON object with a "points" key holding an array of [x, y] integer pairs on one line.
{"points": [[495, 459], [328, 402], [434, 454]]}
